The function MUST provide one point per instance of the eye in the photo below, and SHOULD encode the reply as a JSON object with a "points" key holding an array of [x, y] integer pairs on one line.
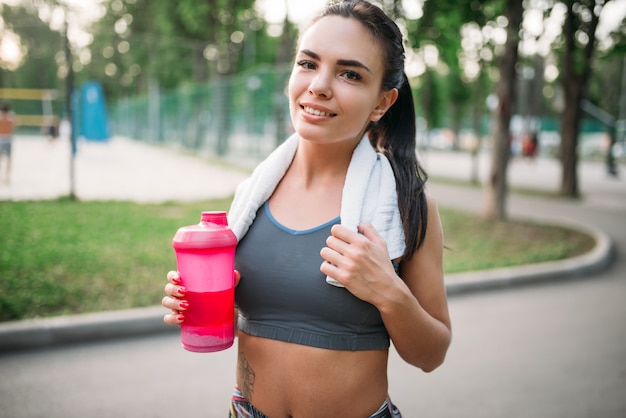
{"points": [[307, 65], [351, 75]]}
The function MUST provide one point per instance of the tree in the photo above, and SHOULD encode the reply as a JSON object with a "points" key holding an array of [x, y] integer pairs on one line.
{"points": [[579, 33], [496, 188], [38, 69], [439, 29], [169, 44], [607, 89]]}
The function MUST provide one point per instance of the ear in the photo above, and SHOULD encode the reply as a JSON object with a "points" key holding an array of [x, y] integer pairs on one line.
{"points": [[387, 99]]}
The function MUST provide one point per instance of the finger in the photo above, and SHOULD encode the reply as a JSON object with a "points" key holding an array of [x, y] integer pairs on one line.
{"points": [[332, 270], [173, 318], [337, 244], [175, 305], [330, 255], [175, 291], [342, 238], [237, 277], [369, 232], [343, 233], [173, 277]]}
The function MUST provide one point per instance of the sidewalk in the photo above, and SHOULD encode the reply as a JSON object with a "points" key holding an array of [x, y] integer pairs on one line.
{"points": [[123, 169], [120, 169], [128, 170]]}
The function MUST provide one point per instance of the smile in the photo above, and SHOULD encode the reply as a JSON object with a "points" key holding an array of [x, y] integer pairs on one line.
{"points": [[316, 112]]}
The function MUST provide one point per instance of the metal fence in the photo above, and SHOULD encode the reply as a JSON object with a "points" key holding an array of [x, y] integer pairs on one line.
{"points": [[242, 118], [236, 117]]}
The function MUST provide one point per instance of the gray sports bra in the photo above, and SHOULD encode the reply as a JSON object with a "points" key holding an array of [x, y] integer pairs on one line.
{"points": [[284, 296]]}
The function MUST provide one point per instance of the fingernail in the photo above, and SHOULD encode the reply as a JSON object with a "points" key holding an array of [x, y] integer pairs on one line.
{"points": [[180, 317], [183, 305], [182, 290]]}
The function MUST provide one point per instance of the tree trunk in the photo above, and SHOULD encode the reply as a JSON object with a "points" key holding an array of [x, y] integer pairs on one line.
{"points": [[577, 70], [570, 129], [477, 111], [496, 188]]}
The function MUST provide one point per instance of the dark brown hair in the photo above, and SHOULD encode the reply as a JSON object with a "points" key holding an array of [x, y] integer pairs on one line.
{"points": [[394, 134]]}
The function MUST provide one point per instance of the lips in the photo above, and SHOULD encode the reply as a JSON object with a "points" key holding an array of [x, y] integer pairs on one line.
{"points": [[316, 112]]}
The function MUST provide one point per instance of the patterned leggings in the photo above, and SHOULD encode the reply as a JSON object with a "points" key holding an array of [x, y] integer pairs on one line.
{"points": [[241, 408]]}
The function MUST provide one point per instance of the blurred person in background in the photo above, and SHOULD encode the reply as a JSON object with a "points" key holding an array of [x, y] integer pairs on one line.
{"points": [[53, 128], [340, 248], [7, 125]]}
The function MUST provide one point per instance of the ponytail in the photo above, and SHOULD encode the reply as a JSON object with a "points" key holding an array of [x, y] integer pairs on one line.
{"points": [[394, 135]]}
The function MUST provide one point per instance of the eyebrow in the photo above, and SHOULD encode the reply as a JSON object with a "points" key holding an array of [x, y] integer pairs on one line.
{"points": [[343, 62]]}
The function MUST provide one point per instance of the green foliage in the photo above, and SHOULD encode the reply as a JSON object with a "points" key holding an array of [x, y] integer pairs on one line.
{"points": [[64, 257], [431, 98], [444, 90], [39, 69], [164, 41], [606, 91], [173, 44]]}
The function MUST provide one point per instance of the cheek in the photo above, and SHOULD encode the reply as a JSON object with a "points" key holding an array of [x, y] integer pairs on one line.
{"points": [[363, 109], [296, 84], [292, 95], [290, 87]]}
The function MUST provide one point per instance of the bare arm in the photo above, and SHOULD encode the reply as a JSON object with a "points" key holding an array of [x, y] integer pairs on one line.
{"points": [[415, 310], [414, 306]]}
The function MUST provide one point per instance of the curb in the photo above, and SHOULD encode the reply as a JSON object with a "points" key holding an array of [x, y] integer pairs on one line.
{"points": [[47, 332], [598, 259]]}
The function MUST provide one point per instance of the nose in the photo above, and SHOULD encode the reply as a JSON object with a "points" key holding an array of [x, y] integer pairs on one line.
{"points": [[320, 86]]}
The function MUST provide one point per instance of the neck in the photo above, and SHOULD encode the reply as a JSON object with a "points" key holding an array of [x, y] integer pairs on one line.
{"points": [[320, 164]]}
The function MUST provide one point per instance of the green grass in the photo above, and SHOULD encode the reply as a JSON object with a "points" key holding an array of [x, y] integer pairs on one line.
{"points": [[474, 243], [62, 257]]}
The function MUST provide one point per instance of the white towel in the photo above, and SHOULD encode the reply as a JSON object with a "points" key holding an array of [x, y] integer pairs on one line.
{"points": [[369, 194]]}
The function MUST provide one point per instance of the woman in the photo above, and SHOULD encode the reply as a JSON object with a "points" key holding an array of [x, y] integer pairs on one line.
{"points": [[306, 348]]}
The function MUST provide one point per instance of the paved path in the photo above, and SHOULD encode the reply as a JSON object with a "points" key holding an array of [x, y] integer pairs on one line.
{"points": [[551, 349], [120, 169]]}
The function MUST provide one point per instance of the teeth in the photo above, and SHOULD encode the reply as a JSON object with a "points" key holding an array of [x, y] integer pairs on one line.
{"points": [[316, 112]]}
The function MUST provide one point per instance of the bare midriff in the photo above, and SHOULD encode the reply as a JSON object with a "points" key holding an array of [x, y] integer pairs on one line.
{"points": [[285, 380]]}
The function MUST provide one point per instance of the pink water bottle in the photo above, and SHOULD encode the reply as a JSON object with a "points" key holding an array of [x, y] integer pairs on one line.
{"points": [[205, 256]]}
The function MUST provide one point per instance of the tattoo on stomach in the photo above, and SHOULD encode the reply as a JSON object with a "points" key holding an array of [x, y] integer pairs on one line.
{"points": [[246, 377]]}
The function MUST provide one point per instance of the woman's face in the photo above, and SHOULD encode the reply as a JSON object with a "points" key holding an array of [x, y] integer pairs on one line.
{"points": [[335, 85]]}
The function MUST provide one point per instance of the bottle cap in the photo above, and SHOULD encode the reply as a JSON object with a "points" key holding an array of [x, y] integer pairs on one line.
{"points": [[211, 232]]}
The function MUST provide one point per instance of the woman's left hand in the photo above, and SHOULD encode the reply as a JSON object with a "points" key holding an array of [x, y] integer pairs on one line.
{"points": [[360, 261]]}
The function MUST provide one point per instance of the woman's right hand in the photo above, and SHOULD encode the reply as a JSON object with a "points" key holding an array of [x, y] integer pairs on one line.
{"points": [[174, 300]]}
